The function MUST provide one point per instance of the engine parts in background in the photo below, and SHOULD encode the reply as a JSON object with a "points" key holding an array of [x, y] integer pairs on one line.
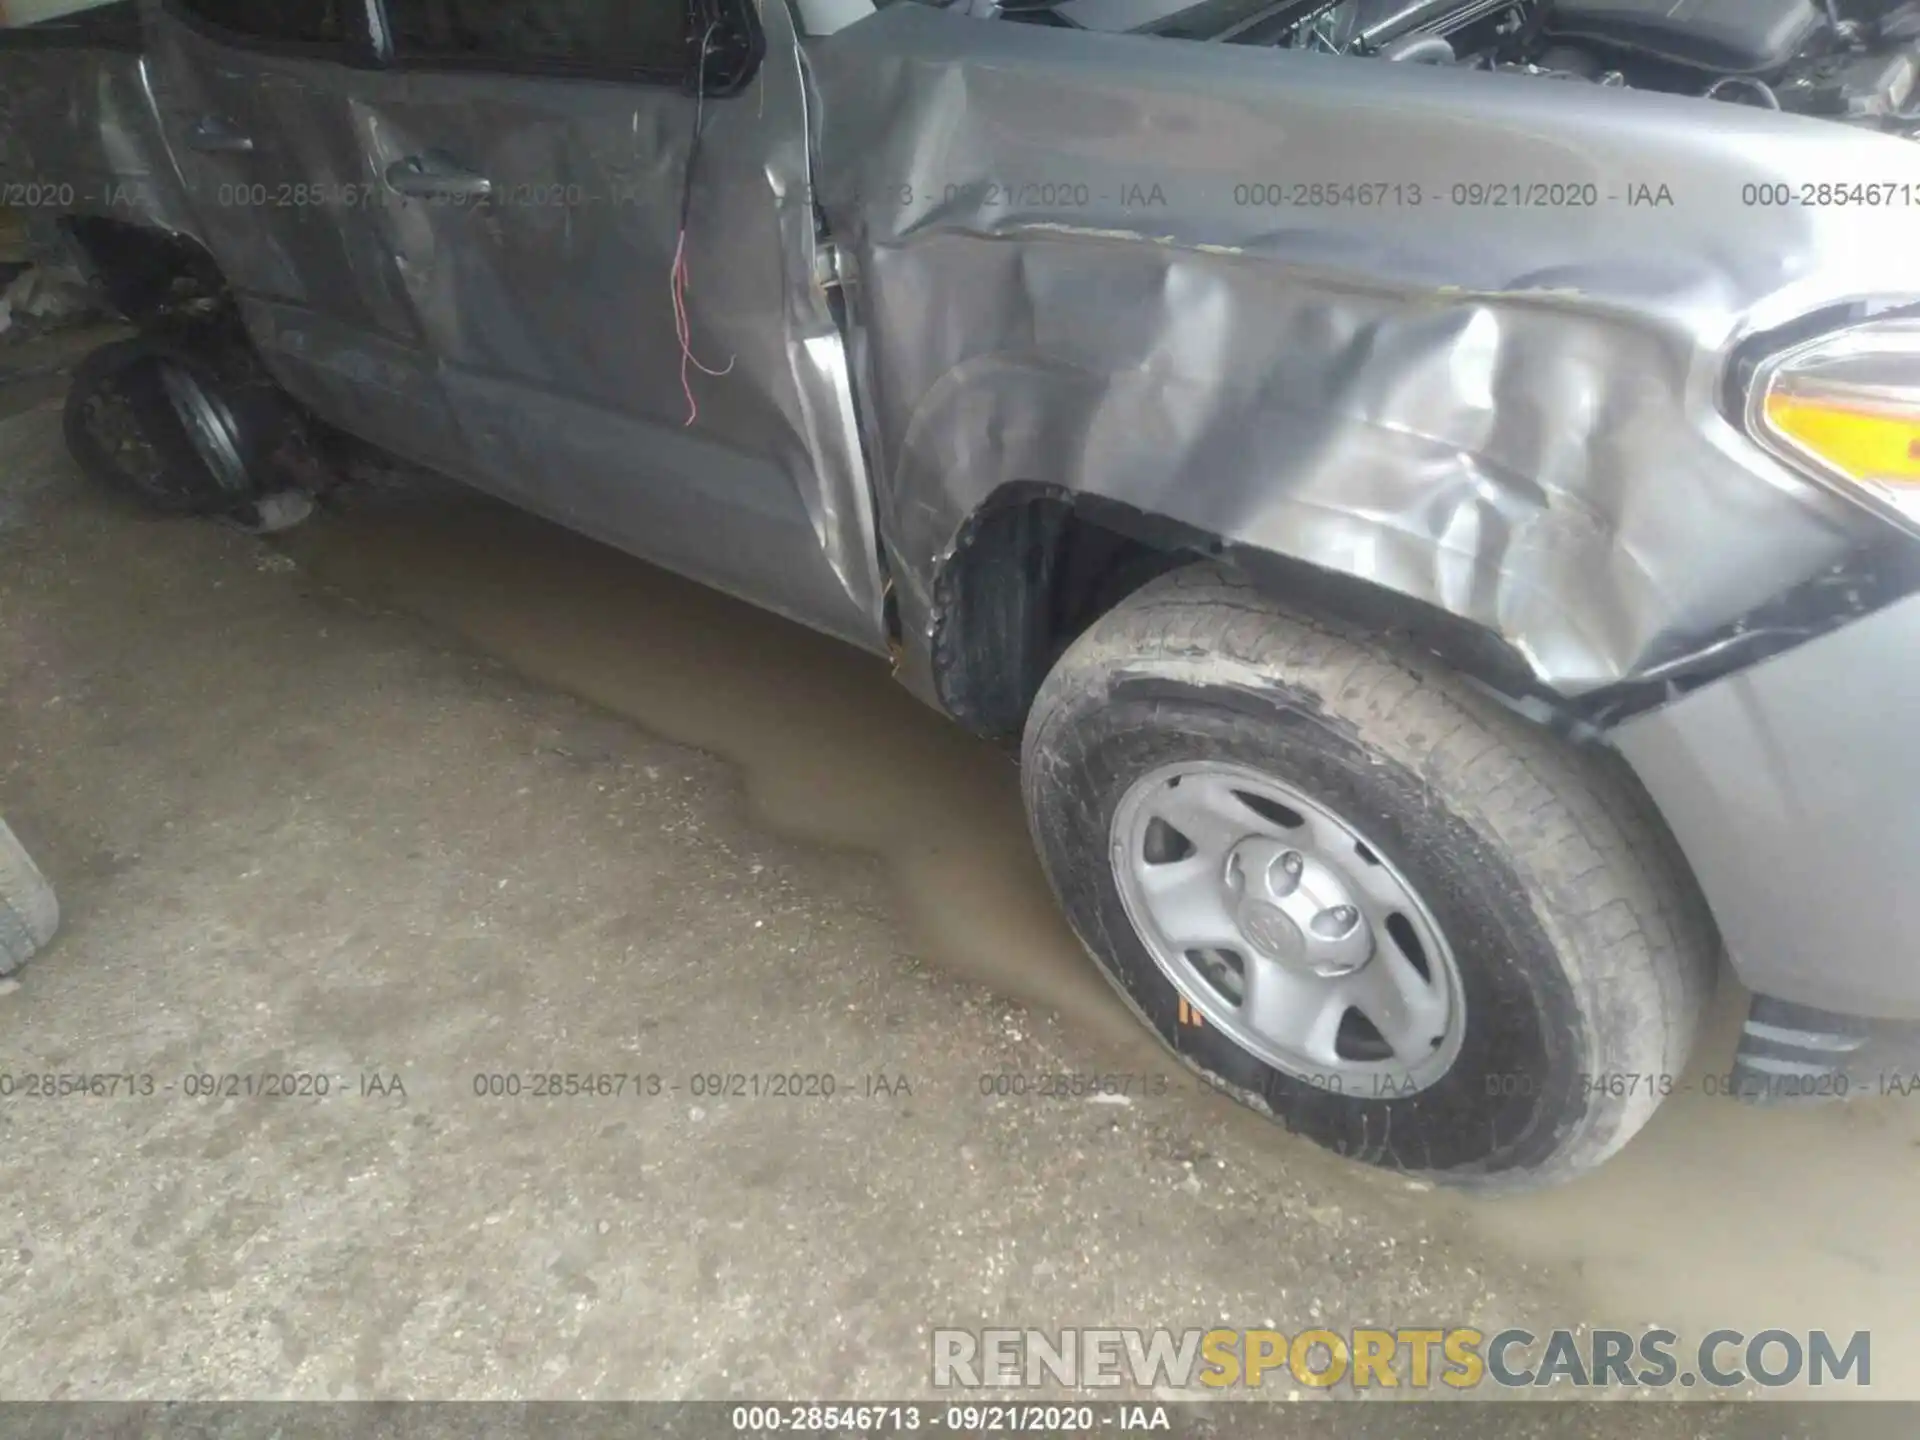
{"points": [[1856, 61]]}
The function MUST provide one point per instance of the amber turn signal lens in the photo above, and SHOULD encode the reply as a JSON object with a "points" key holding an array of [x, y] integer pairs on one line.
{"points": [[1846, 408], [1867, 444]]}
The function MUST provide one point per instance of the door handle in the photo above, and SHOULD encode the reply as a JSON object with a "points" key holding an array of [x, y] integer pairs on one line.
{"points": [[217, 136], [433, 176]]}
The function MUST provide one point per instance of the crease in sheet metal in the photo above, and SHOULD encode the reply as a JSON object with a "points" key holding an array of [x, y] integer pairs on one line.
{"points": [[80, 133], [1069, 272]]}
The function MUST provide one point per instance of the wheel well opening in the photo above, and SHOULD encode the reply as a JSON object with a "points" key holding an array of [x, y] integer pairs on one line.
{"points": [[141, 272], [1036, 566], [1029, 573]]}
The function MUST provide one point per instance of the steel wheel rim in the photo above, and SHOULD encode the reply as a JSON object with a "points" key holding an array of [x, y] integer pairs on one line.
{"points": [[209, 425], [1238, 885]]}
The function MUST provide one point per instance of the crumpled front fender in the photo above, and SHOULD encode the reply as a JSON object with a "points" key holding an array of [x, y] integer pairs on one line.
{"points": [[1098, 263]]}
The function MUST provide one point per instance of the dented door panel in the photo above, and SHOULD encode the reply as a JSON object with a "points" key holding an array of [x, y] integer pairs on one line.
{"points": [[550, 306], [290, 211], [79, 132]]}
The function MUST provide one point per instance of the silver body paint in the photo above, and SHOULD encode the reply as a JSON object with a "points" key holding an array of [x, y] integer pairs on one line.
{"points": [[1790, 787], [1063, 266], [551, 324], [79, 133], [1510, 414], [526, 345]]}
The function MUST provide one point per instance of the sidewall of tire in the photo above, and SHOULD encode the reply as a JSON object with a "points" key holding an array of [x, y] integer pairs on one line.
{"points": [[263, 419]]}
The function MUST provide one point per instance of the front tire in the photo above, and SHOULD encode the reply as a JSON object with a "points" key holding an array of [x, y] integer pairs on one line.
{"points": [[1405, 924]]}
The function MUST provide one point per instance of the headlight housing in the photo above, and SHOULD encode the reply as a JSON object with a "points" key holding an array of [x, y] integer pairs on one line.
{"points": [[1848, 406]]}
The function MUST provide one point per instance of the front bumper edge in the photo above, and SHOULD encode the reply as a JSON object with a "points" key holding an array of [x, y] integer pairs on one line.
{"points": [[1792, 788]]}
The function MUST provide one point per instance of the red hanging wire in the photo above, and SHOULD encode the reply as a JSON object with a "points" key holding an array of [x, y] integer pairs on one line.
{"points": [[683, 331]]}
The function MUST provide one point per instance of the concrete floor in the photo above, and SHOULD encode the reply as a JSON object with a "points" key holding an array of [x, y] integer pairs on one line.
{"points": [[428, 790]]}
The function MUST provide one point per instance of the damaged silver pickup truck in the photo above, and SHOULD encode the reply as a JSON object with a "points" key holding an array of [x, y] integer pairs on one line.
{"points": [[1433, 484]]}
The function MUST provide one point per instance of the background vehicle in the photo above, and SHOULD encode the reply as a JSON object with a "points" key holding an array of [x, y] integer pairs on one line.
{"points": [[1442, 531], [29, 914]]}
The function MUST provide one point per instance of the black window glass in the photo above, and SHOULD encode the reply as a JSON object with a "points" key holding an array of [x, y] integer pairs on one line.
{"points": [[312, 22], [644, 35]]}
